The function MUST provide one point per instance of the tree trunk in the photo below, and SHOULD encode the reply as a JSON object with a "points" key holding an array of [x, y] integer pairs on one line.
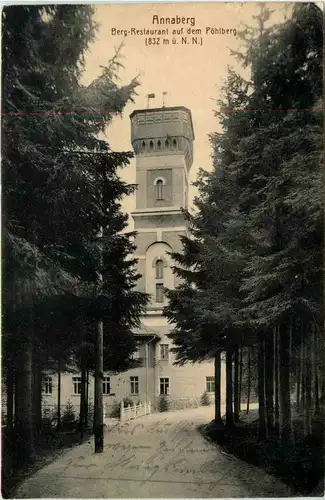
{"points": [[261, 390], [285, 403], [82, 401], [308, 408], [269, 381], [16, 392], [240, 378], [304, 386], [94, 410], [248, 379], [302, 373], [316, 376], [98, 406], [276, 380], [322, 397], [24, 417], [10, 393], [236, 385], [87, 399], [217, 388], [298, 379], [37, 396], [58, 423], [229, 407], [321, 350]]}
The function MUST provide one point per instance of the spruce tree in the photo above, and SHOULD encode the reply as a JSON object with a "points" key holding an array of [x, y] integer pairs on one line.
{"points": [[253, 262], [60, 187]]}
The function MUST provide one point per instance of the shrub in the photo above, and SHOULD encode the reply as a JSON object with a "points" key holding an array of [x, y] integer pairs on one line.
{"points": [[49, 418], [68, 420], [299, 464], [128, 402], [205, 400], [115, 411], [163, 404]]}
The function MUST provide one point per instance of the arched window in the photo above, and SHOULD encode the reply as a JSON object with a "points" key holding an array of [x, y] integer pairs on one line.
{"points": [[159, 189], [151, 145], [143, 145], [159, 292], [167, 143], [159, 265], [158, 144], [159, 269], [174, 144]]}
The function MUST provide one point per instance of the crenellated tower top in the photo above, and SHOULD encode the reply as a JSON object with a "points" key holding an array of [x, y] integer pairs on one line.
{"points": [[162, 132]]}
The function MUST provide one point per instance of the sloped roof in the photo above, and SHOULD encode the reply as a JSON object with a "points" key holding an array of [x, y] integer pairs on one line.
{"points": [[157, 331]]}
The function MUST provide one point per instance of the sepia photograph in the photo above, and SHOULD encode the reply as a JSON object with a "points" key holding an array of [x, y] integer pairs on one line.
{"points": [[162, 250]]}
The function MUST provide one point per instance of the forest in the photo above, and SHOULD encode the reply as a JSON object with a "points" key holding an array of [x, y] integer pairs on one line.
{"points": [[252, 264], [66, 265]]}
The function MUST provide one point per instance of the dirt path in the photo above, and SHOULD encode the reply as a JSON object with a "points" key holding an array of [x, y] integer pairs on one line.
{"points": [[158, 456]]}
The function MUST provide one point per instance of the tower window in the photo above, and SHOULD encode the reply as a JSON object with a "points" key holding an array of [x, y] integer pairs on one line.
{"points": [[143, 145], [151, 145], [159, 292], [159, 190], [159, 269], [158, 144], [167, 143]]}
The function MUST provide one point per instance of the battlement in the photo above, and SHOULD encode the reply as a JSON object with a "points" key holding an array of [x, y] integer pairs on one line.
{"points": [[163, 131]]}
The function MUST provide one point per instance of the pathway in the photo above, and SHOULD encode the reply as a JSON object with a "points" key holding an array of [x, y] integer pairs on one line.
{"points": [[157, 456]]}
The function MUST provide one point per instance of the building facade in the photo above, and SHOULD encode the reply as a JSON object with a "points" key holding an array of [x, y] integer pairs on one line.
{"points": [[162, 139]]}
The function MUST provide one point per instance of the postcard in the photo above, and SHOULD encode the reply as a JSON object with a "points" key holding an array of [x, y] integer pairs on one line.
{"points": [[162, 229]]}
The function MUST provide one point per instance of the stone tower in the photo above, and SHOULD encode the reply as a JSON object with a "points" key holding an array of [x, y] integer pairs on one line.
{"points": [[162, 139]]}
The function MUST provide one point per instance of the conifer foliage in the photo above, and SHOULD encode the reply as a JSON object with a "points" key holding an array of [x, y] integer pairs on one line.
{"points": [[252, 265], [61, 191]]}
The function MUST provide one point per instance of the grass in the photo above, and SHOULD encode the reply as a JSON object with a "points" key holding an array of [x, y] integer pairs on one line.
{"points": [[299, 465]]}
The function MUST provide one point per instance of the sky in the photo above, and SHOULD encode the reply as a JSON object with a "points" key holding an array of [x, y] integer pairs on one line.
{"points": [[192, 75]]}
